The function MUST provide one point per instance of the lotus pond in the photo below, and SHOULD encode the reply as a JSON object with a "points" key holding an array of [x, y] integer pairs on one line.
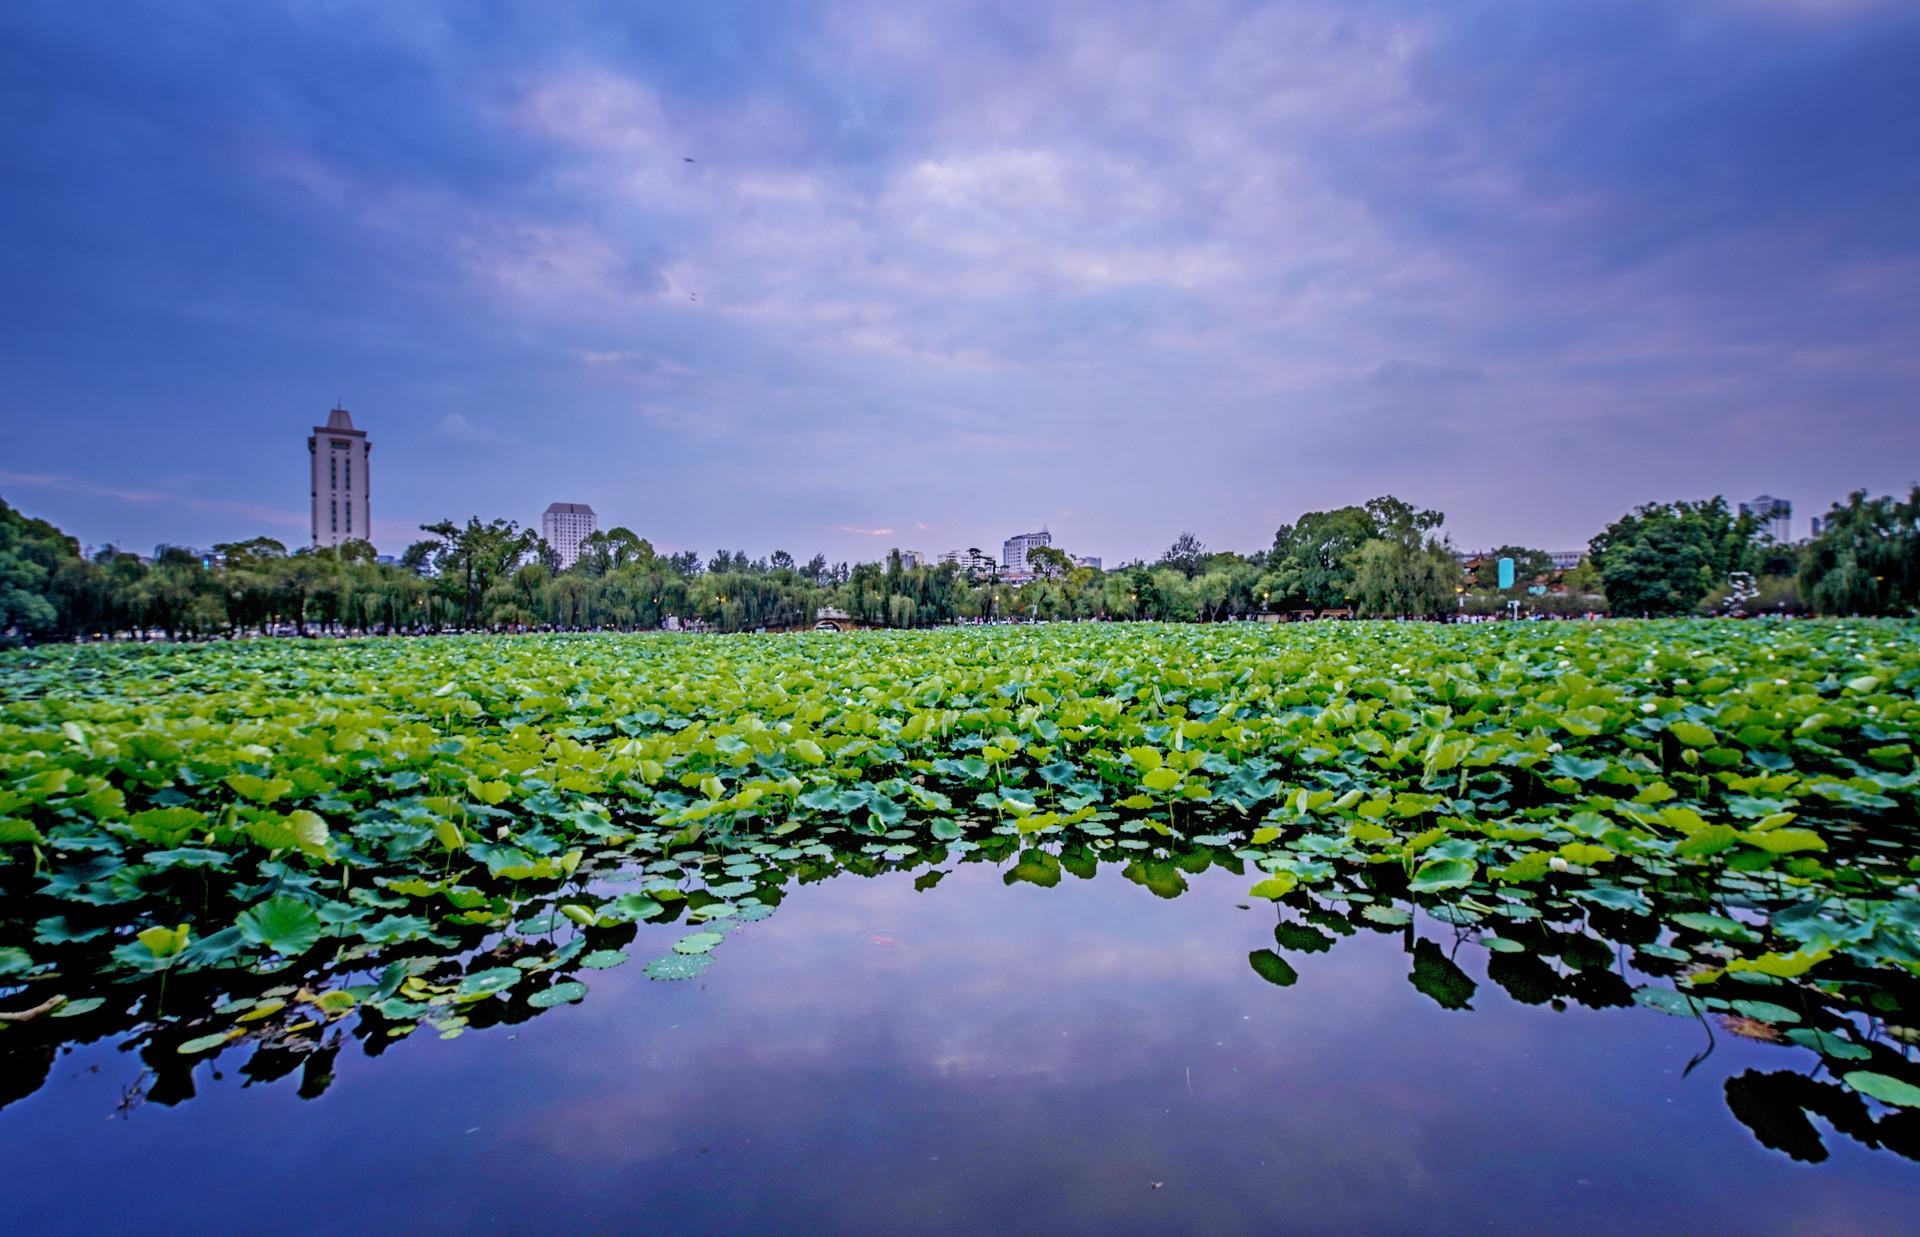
{"points": [[1073, 928]]}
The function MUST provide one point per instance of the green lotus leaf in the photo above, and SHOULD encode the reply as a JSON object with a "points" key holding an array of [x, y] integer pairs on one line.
{"points": [[560, 994], [1884, 1087], [678, 966], [76, 1008], [205, 1043], [285, 925], [1436, 875], [1765, 1011], [1667, 1001], [259, 789], [1828, 1044], [487, 982]]}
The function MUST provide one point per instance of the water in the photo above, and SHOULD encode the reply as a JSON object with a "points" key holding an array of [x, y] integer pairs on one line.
{"points": [[982, 1057]]}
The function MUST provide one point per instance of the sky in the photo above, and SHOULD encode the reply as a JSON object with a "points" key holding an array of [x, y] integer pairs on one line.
{"points": [[849, 275]]}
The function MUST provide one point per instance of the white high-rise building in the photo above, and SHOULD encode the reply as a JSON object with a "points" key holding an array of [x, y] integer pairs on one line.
{"points": [[1013, 552], [338, 456], [971, 564], [565, 526], [1774, 514], [911, 558]]}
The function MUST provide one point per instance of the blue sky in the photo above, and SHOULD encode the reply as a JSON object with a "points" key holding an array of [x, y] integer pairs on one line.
{"points": [[938, 274]]}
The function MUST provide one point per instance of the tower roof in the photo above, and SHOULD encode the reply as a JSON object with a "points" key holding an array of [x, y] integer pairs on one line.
{"points": [[569, 509], [339, 421]]}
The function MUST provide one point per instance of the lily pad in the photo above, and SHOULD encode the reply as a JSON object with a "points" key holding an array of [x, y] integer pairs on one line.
{"points": [[678, 966]]}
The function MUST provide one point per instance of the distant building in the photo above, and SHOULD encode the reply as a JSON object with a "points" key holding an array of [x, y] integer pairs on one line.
{"points": [[565, 526], [338, 455], [1014, 551], [911, 558], [972, 563], [1087, 560], [1566, 560], [1775, 516], [1819, 526]]}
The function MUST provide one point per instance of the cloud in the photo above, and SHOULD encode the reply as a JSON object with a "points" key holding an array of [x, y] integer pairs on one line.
{"points": [[1265, 258], [456, 430], [1401, 373], [68, 484]]}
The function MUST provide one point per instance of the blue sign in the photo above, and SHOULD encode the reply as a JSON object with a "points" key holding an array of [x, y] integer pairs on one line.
{"points": [[1506, 573]]}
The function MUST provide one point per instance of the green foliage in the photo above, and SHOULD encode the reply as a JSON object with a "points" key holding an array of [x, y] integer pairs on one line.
{"points": [[1664, 558], [1867, 557], [37, 563], [422, 833]]}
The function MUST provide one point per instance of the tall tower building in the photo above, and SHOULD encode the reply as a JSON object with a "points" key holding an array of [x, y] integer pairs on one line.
{"points": [[565, 526], [339, 456]]}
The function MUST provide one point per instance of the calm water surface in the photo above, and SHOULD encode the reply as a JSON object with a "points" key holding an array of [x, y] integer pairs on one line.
{"points": [[978, 1057]]}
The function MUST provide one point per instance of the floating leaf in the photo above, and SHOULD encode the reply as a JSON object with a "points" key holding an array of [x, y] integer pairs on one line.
{"points": [[487, 982], [205, 1043], [560, 994], [1436, 875], [1884, 1087], [678, 966], [697, 942]]}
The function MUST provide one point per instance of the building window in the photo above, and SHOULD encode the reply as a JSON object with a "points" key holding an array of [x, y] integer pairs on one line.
{"points": [[349, 464], [334, 507]]}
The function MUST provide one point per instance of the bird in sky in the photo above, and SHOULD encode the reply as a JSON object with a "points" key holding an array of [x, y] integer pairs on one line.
{"points": [[686, 158]]}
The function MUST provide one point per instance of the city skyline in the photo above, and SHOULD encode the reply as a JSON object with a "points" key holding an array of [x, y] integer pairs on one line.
{"points": [[831, 280], [563, 526]]}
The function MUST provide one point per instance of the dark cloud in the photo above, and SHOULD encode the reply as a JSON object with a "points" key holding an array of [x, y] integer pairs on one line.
{"points": [[951, 270]]}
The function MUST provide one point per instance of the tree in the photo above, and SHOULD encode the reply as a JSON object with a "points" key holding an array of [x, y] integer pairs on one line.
{"points": [[32, 553], [471, 559], [613, 549], [418, 557], [1312, 562], [1186, 555], [1866, 559], [1393, 577], [1664, 558], [1048, 562]]}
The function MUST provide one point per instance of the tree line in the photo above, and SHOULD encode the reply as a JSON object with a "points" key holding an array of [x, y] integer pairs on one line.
{"points": [[1385, 557]]}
